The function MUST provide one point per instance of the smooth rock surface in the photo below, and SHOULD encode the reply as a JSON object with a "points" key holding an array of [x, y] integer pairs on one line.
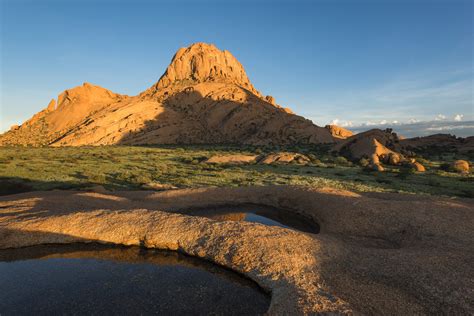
{"points": [[375, 253]]}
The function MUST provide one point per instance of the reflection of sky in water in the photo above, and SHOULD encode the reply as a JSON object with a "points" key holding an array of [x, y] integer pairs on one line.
{"points": [[121, 281], [250, 217]]}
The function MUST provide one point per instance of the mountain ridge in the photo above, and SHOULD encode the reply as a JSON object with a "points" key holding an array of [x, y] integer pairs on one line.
{"points": [[204, 96]]}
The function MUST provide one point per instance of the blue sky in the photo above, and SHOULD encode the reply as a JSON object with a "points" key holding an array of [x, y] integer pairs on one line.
{"points": [[350, 62]]}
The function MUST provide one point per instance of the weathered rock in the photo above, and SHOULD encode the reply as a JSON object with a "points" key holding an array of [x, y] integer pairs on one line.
{"points": [[395, 159], [14, 127], [418, 167], [376, 253], [270, 99], [204, 97], [461, 166], [232, 159], [338, 131], [285, 157], [367, 144], [204, 62]]}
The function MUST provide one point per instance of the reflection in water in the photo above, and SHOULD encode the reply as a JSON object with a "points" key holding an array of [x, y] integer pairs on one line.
{"points": [[94, 279], [258, 214]]}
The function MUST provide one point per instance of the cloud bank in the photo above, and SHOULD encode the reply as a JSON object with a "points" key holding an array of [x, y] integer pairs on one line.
{"points": [[425, 128]]}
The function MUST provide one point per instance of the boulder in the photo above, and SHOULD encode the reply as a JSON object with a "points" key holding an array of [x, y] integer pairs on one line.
{"points": [[270, 99], [418, 167], [461, 166], [285, 157], [394, 159], [232, 159]]}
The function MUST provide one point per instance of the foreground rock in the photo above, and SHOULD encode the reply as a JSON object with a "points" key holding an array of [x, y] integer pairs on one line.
{"points": [[375, 254]]}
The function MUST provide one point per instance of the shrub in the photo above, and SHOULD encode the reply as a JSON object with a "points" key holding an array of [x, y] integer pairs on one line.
{"points": [[405, 171], [445, 167], [314, 159], [364, 162], [342, 161]]}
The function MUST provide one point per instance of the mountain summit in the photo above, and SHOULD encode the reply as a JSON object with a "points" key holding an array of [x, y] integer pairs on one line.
{"points": [[203, 62], [204, 97]]}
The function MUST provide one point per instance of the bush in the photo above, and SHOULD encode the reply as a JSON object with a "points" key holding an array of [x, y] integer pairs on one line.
{"points": [[445, 167], [405, 171], [342, 161], [364, 162], [258, 151]]}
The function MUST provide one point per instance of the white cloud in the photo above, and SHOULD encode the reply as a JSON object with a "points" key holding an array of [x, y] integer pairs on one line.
{"points": [[458, 117], [381, 122], [338, 122], [420, 95], [424, 128]]}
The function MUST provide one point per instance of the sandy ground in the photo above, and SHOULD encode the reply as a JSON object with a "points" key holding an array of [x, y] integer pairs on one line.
{"points": [[375, 253]]}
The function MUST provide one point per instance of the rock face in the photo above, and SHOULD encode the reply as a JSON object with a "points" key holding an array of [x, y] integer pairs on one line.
{"points": [[375, 253], [375, 145], [338, 132], [202, 62], [74, 108], [204, 96]]}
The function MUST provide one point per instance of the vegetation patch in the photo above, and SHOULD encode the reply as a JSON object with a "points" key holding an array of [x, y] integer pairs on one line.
{"points": [[135, 167]]}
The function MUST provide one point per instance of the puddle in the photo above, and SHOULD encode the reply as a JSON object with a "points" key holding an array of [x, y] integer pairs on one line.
{"points": [[95, 279], [258, 214]]}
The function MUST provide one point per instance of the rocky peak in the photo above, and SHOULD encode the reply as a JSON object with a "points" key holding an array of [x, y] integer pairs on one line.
{"points": [[202, 62]]}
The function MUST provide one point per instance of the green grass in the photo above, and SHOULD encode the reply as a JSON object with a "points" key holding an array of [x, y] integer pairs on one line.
{"points": [[126, 167]]}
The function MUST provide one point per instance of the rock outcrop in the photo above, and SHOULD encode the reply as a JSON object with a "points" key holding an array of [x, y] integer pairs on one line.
{"points": [[203, 62], [204, 96], [284, 158], [231, 159], [375, 254], [338, 132], [375, 145]]}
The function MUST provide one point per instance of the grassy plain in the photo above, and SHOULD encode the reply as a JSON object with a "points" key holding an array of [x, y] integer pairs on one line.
{"points": [[132, 168]]}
